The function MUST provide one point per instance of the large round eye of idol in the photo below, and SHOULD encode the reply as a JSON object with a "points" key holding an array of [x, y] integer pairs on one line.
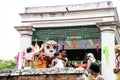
{"points": [[54, 47], [47, 47]]}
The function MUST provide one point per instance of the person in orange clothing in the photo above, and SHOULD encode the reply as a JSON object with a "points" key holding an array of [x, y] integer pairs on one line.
{"points": [[41, 63]]}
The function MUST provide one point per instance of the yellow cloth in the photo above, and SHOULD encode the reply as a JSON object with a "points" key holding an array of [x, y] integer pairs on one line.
{"points": [[118, 76], [91, 77], [33, 64]]}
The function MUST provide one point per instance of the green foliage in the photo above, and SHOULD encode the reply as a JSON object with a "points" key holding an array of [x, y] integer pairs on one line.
{"points": [[7, 64]]}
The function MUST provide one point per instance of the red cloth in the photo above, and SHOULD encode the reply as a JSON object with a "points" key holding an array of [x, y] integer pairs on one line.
{"points": [[81, 65], [74, 44], [97, 47]]}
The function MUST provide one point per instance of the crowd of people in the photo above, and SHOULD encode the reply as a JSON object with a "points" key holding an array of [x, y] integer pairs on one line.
{"points": [[33, 59], [37, 59], [59, 60]]}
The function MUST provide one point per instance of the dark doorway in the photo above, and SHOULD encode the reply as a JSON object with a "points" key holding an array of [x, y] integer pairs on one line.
{"points": [[79, 54]]}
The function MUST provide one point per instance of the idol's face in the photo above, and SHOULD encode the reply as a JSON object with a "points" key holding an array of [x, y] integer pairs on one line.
{"points": [[50, 48]]}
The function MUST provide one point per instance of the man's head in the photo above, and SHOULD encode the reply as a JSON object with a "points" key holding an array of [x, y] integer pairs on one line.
{"points": [[64, 54], [29, 49], [90, 55], [60, 52], [94, 68]]}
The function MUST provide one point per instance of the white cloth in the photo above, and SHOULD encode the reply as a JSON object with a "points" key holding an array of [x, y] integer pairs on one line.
{"points": [[28, 56], [93, 60], [59, 64]]}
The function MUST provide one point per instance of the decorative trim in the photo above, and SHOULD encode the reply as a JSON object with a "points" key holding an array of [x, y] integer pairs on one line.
{"points": [[68, 11], [109, 23], [25, 28], [26, 35], [107, 30], [66, 19]]}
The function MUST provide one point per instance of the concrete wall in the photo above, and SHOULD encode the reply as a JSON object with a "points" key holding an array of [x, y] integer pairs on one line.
{"points": [[43, 74]]}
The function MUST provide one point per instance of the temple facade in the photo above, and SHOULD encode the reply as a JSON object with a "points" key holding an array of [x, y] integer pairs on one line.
{"points": [[94, 23]]}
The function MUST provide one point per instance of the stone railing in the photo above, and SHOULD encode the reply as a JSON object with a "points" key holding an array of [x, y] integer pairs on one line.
{"points": [[44, 74]]}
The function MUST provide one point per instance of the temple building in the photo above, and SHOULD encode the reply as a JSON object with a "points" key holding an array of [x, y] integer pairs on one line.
{"points": [[83, 28]]}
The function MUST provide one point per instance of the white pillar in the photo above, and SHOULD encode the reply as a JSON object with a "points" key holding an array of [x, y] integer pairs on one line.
{"points": [[108, 53], [25, 41]]}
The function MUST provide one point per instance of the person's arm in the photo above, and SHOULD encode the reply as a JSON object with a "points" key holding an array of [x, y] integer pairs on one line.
{"points": [[42, 48], [88, 65], [53, 63], [38, 52]]}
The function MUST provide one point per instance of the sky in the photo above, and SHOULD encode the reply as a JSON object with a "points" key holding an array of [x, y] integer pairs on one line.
{"points": [[9, 18]]}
